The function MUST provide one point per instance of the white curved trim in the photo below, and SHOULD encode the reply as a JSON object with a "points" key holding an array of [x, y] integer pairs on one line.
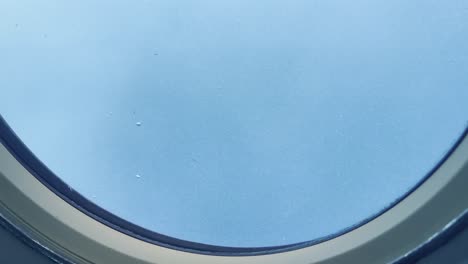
{"points": [[54, 223]]}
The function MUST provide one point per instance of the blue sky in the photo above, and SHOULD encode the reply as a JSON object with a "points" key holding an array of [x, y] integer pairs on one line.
{"points": [[262, 122]]}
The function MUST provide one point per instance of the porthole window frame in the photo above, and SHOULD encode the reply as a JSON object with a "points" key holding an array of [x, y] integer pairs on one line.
{"points": [[65, 230]]}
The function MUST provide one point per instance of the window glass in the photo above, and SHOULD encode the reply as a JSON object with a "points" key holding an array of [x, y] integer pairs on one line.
{"points": [[237, 123]]}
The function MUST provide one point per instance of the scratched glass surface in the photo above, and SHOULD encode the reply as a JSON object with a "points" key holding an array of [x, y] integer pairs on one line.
{"points": [[237, 123]]}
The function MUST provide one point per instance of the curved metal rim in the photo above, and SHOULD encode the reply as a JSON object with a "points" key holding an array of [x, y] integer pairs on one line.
{"points": [[59, 187], [36, 168], [442, 238]]}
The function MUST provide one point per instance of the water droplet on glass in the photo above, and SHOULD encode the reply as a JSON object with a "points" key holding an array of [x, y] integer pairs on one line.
{"points": [[138, 176], [138, 123]]}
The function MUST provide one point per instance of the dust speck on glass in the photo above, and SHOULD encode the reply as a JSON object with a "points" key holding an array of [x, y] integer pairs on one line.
{"points": [[237, 123]]}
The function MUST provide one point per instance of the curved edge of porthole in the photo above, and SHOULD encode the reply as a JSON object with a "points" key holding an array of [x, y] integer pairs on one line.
{"points": [[31, 243], [436, 241], [431, 245], [42, 173]]}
